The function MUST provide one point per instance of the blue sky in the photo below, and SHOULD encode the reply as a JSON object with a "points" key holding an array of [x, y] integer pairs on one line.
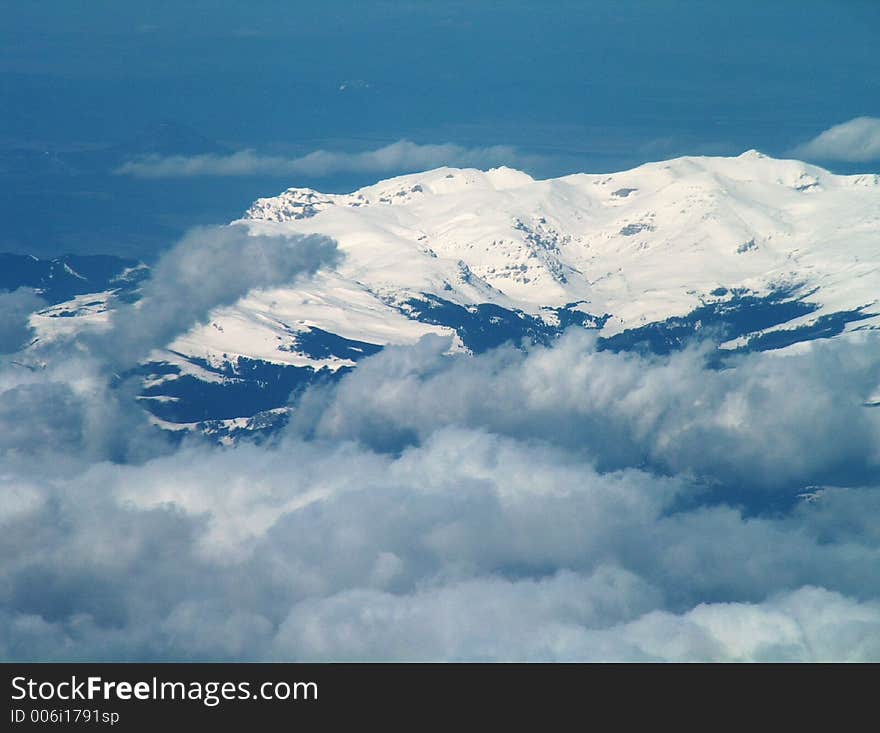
{"points": [[569, 85]]}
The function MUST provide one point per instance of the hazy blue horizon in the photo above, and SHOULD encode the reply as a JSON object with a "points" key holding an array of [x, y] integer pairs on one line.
{"points": [[570, 86]]}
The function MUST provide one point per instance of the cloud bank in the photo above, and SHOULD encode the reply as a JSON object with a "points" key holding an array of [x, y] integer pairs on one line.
{"points": [[854, 141], [470, 546], [558, 503], [768, 425], [397, 157]]}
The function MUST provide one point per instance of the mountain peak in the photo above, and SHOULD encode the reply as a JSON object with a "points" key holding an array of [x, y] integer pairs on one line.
{"points": [[753, 154], [640, 244]]}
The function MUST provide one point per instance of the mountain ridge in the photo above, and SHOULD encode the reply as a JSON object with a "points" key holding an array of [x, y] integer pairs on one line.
{"points": [[761, 252]]}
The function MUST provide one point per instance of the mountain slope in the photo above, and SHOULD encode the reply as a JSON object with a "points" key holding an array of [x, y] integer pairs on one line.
{"points": [[642, 245], [767, 252]]}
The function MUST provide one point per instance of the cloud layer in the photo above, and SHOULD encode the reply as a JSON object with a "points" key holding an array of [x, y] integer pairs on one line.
{"points": [[468, 547], [397, 157], [854, 141], [559, 503]]}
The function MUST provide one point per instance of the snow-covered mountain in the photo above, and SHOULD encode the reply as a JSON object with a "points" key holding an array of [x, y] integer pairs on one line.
{"points": [[767, 252]]}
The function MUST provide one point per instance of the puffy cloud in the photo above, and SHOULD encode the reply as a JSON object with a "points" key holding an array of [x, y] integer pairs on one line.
{"points": [[566, 618], [807, 625], [399, 156], [65, 407], [64, 414], [559, 503], [770, 423], [854, 141], [470, 546], [208, 268], [15, 310]]}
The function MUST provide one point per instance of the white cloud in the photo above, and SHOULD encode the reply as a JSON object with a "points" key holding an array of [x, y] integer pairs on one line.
{"points": [[855, 141], [469, 547], [15, 310], [576, 618], [559, 504], [208, 268], [751, 427], [397, 157], [65, 407]]}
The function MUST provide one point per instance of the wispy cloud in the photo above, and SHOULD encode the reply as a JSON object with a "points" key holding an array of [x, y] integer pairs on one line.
{"points": [[855, 141], [209, 267], [15, 310], [399, 156]]}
